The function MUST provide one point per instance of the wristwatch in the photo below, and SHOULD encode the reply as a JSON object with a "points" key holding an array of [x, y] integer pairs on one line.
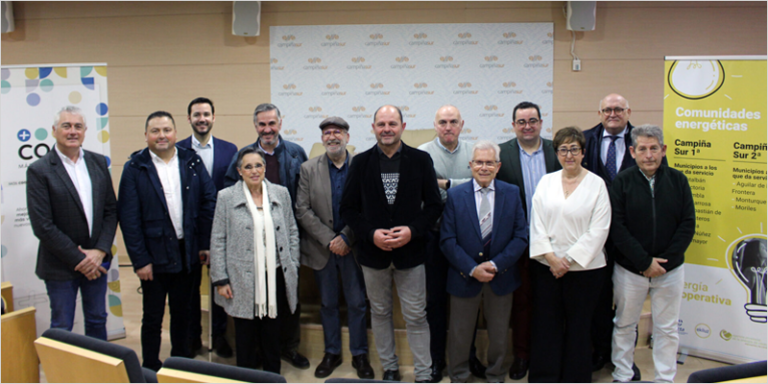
{"points": [[448, 185]]}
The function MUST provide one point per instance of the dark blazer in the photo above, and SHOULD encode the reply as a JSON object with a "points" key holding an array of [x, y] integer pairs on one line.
{"points": [[314, 212], [461, 240], [592, 160], [144, 219], [511, 172], [57, 216], [365, 209], [223, 153], [289, 155]]}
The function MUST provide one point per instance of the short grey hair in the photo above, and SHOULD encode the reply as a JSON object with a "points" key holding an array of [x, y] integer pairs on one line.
{"points": [[483, 145], [68, 109], [647, 130], [266, 107]]}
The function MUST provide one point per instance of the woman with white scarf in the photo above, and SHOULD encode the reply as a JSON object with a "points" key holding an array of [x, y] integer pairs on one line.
{"points": [[255, 259]]}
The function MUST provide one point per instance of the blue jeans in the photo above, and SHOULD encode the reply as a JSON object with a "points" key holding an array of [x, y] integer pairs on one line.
{"points": [[354, 293], [63, 298]]}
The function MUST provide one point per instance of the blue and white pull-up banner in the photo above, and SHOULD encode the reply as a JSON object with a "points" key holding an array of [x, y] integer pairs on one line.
{"points": [[351, 70]]}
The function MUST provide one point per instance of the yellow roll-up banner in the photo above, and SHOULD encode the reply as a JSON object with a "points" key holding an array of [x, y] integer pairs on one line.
{"points": [[715, 130]]}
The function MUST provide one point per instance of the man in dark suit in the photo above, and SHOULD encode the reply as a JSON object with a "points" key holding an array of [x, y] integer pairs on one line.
{"points": [[216, 155], [606, 154], [166, 204], [284, 159], [326, 247], [527, 158], [483, 235], [391, 200], [72, 209]]}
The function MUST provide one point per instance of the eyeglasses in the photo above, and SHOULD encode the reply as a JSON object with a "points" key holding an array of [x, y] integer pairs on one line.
{"points": [[617, 110], [334, 132], [533, 121], [565, 151], [487, 164]]}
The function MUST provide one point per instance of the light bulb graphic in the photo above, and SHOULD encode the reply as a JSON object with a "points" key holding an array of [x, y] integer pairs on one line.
{"points": [[749, 264], [696, 79]]}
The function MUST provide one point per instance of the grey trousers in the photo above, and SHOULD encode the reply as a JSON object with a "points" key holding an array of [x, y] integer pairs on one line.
{"points": [[412, 290], [497, 311]]}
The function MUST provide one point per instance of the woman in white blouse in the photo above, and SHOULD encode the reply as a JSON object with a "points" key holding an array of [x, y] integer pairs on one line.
{"points": [[570, 220]]}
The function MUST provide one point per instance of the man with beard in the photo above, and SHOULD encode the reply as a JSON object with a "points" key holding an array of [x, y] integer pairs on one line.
{"points": [[326, 247], [216, 155]]}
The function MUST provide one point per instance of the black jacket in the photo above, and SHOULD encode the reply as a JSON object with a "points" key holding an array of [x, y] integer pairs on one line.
{"points": [[645, 226], [417, 204]]}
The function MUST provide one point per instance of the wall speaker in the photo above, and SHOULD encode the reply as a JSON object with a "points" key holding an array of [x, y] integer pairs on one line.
{"points": [[7, 17], [246, 18], [581, 15]]}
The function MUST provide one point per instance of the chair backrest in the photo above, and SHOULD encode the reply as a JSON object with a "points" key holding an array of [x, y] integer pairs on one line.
{"points": [[183, 370], [70, 357], [19, 362], [756, 371], [7, 292]]}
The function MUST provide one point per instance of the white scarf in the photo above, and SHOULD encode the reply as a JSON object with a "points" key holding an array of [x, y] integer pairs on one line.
{"points": [[264, 261]]}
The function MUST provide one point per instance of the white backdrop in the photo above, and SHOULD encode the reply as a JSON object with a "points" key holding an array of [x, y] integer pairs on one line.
{"points": [[351, 70], [31, 95]]}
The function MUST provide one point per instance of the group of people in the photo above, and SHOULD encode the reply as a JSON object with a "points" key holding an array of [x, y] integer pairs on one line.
{"points": [[547, 243]]}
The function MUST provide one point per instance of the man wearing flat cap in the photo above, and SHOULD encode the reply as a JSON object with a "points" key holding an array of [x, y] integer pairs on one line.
{"points": [[326, 247]]}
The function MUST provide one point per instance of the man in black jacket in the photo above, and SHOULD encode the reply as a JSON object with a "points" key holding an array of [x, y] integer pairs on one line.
{"points": [[653, 223], [391, 200]]}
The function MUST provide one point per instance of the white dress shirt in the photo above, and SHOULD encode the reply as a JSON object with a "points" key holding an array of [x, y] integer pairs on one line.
{"points": [[78, 173], [576, 227], [205, 152], [621, 147], [170, 178]]}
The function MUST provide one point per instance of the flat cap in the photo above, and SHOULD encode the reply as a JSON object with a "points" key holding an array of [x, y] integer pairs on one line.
{"points": [[336, 121]]}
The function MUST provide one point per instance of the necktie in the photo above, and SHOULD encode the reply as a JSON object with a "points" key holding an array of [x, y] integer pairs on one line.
{"points": [[610, 158], [486, 219]]}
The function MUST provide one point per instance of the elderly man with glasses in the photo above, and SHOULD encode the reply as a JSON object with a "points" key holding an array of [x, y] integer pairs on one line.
{"points": [[527, 158]]}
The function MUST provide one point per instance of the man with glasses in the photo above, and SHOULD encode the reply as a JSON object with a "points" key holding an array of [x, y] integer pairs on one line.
{"points": [[451, 157], [606, 154], [326, 247], [483, 235], [527, 158], [653, 223]]}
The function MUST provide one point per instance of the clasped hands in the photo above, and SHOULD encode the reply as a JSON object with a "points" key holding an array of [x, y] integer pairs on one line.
{"points": [[90, 266], [339, 246], [389, 239], [559, 266], [484, 272]]}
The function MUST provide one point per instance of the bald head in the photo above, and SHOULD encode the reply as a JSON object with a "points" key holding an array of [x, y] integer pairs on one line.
{"points": [[617, 115], [448, 125]]}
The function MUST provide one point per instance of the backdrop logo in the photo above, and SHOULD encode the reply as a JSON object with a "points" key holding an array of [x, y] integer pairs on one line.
{"points": [[28, 151], [378, 89], [290, 91], [359, 60], [315, 61], [534, 62], [725, 335], [491, 62], [465, 89], [402, 60], [275, 67], [332, 41], [24, 135], [314, 115], [464, 39], [405, 109], [491, 111], [315, 109], [333, 90], [548, 40], [422, 89], [290, 132], [420, 39], [547, 91], [509, 85], [359, 109], [702, 330], [446, 62], [289, 42], [376, 37], [508, 130], [509, 39]]}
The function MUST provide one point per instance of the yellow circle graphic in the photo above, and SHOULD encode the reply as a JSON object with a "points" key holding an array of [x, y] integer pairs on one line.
{"points": [[696, 79], [102, 70], [32, 73], [75, 97], [103, 136]]}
